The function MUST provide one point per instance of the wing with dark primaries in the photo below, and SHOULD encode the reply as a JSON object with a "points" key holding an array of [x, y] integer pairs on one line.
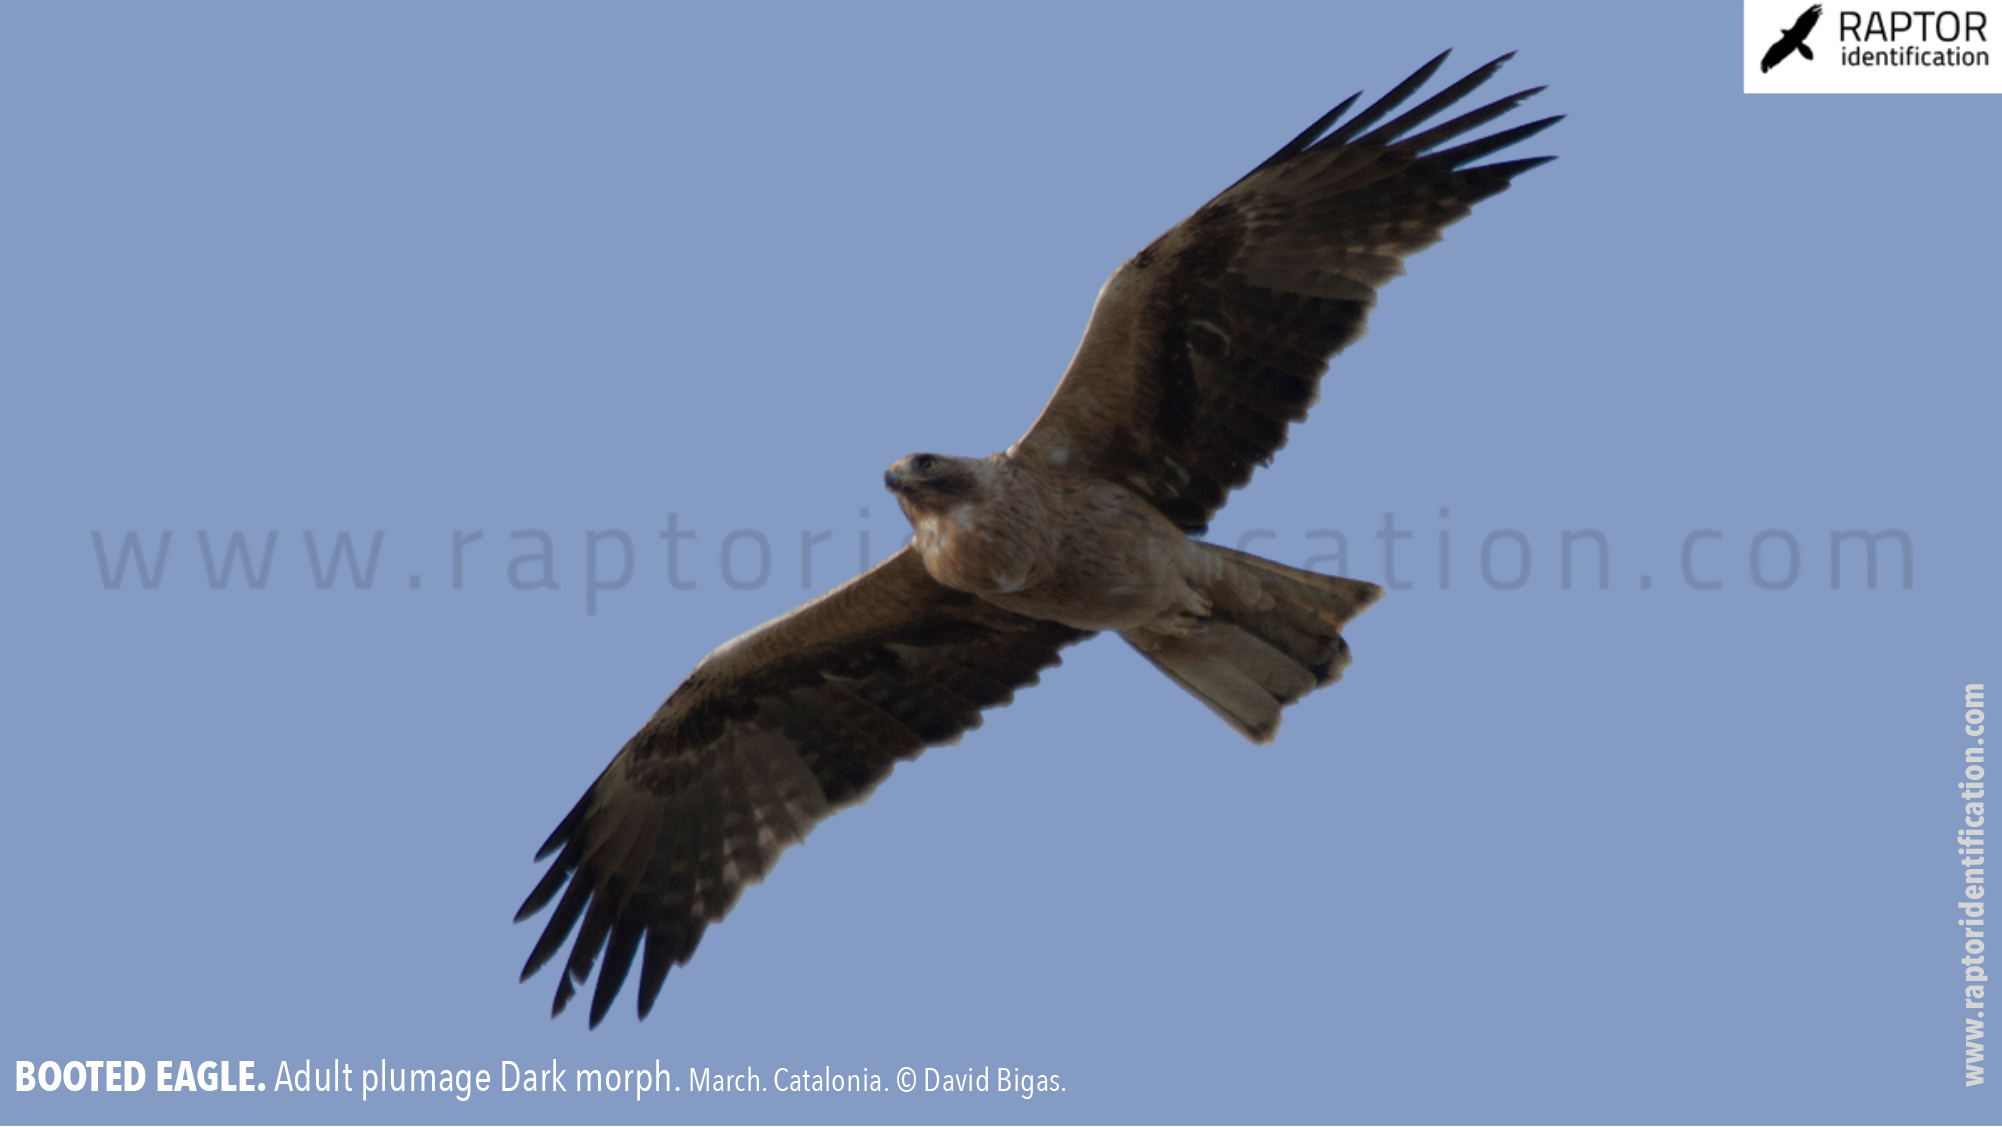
{"points": [[772, 733], [1776, 53], [1805, 23], [1204, 347]]}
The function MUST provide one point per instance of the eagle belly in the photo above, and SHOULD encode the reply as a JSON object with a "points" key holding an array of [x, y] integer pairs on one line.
{"points": [[1089, 554]]}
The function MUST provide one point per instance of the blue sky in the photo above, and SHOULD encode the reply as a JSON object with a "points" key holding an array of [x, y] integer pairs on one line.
{"points": [[1646, 852]]}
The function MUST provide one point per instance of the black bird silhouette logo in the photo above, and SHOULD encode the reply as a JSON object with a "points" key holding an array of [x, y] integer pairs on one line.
{"points": [[1791, 40]]}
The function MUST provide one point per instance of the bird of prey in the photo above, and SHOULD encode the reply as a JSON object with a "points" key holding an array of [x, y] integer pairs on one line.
{"points": [[1201, 350], [1792, 39]]}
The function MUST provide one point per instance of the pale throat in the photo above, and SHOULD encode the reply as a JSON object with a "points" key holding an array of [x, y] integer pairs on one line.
{"points": [[963, 553]]}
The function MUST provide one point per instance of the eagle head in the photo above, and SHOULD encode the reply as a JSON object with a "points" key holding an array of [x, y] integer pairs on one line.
{"points": [[934, 482]]}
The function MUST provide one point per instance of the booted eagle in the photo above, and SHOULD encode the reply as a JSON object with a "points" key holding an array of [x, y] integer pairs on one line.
{"points": [[1200, 352]]}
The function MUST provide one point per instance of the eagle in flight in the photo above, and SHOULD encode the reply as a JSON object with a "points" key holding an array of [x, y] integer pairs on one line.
{"points": [[1792, 39], [1201, 350]]}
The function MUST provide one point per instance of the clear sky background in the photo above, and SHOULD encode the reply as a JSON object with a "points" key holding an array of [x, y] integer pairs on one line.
{"points": [[1633, 852]]}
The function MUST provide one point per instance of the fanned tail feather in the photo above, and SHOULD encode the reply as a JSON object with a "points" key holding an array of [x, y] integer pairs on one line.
{"points": [[1250, 660]]}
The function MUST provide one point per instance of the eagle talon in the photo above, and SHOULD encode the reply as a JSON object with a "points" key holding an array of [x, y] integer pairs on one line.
{"points": [[1193, 615]]}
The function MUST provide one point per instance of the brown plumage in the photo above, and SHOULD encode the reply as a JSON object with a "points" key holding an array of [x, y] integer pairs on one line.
{"points": [[1201, 351]]}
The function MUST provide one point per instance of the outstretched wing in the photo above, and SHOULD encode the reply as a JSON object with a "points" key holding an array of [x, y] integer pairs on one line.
{"points": [[1777, 52], [1206, 345], [772, 733], [1805, 23]]}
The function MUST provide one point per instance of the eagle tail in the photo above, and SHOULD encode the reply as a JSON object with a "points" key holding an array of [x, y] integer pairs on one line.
{"points": [[1805, 52], [1273, 635]]}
